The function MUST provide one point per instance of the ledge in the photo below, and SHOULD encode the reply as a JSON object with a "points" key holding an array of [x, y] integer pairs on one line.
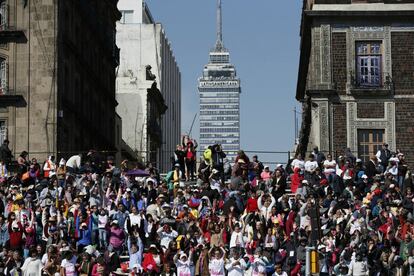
{"points": [[367, 92], [12, 100], [16, 36]]}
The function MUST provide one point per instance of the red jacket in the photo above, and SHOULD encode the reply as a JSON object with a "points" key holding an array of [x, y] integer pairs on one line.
{"points": [[251, 205], [16, 238]]}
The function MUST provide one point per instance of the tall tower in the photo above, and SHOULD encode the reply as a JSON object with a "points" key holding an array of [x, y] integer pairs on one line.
{"points": [[220, 90]]}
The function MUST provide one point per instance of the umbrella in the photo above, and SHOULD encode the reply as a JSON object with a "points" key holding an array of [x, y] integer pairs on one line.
{"points": [[138, 172]]}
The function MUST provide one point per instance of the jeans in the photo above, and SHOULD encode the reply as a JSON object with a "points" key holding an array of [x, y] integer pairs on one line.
{"points": [[102, 237]]}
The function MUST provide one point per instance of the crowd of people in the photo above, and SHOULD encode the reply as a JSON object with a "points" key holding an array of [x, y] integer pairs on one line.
{"points": [[89, 216]]}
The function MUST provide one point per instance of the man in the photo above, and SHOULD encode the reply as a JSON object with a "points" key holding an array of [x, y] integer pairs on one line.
{"points": [[383, 155], [74, 162], [310, 167], [257, 166], [371, 167], [319, 156], [5, 153]]}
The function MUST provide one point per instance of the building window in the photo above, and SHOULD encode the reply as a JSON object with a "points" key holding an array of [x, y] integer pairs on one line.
{"points": [[369, 142], [127, 17], [3, 76], [369, 64], [3, 131]]}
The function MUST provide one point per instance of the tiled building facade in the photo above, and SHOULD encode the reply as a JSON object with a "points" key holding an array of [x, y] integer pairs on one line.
{"points": [[356, 67]]}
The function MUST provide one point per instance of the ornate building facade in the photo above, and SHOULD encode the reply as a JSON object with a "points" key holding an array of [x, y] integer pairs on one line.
{"points": [[66, 74], [219, 90], [356, 75]]}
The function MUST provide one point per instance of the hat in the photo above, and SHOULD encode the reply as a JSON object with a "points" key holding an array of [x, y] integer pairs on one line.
{"points": [[358, 160], [279, 165], [215, 171], [62, 162], [76, 200], [266, 167], [82, 193], [166, 205], [304, 181], [185, 206], [321, 246], [84, 224], [176, 165], [128, 190], [241, 161], [161, 195], [364, 176], [114, 222], [196, 190], [183, 255]]}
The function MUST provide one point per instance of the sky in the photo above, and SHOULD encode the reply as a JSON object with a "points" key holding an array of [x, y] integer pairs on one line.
{"points": [[262, 37]]}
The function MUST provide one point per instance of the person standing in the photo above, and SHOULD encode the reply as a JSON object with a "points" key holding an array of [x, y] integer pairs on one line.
{"points": [[383, 155], [5, 153]]}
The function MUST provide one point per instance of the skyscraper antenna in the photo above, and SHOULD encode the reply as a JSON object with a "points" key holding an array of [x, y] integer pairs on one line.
{"points": [[219, 42]]}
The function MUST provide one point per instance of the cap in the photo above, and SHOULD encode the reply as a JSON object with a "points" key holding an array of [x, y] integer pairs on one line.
{"points": [[241, 161], [358, 160], [215, 171], [266, 167], [128, 190], [185, 206], [166, 205], [114, 222], [304, 181], [364, 176], [177, 165], [83, 224]]}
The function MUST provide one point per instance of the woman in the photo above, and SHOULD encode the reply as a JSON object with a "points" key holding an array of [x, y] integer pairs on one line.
{"points": [[216, 264], [152, 260], [85, 266], [190, 157], [32, 265], [99, 268]]}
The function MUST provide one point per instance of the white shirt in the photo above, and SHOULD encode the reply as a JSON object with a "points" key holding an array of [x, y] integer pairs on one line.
{"points": [[183, 268], [69, 266], [236, 239], [329, 163], [236, 270], [310, 166], [296, 163], [166, 237], [32, 267], [216, 267], [74, 162]]}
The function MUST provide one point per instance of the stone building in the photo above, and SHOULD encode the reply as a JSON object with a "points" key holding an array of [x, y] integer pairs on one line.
{"points": [[148, 86], [356, 75], [65, 72]]}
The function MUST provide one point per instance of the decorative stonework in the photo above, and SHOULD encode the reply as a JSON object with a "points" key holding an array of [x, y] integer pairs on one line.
{"points": [[316, 56], [364, 33], [387, 123], [324, 126], [325, 50]]}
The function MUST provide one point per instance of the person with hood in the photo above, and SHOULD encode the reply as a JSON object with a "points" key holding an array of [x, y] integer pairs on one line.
{"points": [[183, 263], [296, 180]]}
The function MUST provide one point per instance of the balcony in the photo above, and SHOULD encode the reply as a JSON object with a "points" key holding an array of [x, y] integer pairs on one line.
{"points": [[384, 89]]}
